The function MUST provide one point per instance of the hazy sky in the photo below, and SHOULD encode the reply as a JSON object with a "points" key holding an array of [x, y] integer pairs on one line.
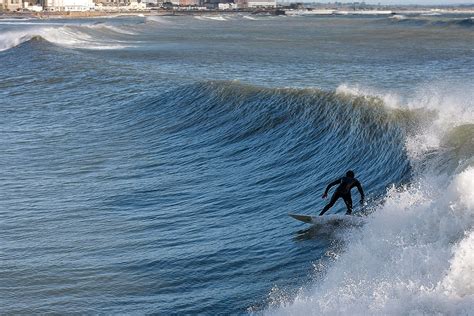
{"points": [[396, 1]]}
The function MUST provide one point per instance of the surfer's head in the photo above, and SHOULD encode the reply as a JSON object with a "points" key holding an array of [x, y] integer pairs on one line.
{"points": [[350, 174]]}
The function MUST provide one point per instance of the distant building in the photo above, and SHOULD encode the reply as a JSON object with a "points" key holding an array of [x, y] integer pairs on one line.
{"points": [[256, 3], [261, 3], [135, 5], [32, 6], [12, 5], [114, 3], [189, 2], [68, 5], [121, 5], [154, 3], [227, 6]]}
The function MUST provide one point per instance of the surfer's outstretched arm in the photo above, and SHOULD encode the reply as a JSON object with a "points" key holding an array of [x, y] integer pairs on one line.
{"points": [[330, 185]]}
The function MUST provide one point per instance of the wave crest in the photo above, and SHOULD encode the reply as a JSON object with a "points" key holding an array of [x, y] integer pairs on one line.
{"points": [[97, 36]]}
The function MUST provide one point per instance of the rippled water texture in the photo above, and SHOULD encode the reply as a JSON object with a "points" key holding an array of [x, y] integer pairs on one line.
{"points": [[148, 164]]}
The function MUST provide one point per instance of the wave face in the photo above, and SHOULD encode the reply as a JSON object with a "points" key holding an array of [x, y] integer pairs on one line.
{"points": [[299, 128]]}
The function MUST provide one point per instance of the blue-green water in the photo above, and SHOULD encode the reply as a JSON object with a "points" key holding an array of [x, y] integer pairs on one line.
{"points": [[148, 164]]}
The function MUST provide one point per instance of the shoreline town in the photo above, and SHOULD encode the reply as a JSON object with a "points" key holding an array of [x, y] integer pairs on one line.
{"points": [[97, 8]]}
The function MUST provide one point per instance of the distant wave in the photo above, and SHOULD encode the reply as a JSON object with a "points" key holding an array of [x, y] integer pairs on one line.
{"points": [[211, 18], [431, 14], [434, 20], [123, 29], [398, 17], [156, 19], [96, 36], [248, 17]]}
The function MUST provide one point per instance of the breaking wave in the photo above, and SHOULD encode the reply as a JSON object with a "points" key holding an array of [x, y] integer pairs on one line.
{"points": [[220, 18], [96, 36], [415, 255], [433, 20]]}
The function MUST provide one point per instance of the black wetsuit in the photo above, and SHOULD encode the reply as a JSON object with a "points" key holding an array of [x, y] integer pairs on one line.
{"points": [[343, 191]]}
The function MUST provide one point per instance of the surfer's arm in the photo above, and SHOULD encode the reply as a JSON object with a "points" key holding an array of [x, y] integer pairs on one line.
{"points": [[361, 192], [330, 185]]}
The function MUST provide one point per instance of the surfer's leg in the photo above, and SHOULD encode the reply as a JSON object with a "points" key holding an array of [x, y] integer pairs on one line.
{"points": [[348, 200], [334, 198]]}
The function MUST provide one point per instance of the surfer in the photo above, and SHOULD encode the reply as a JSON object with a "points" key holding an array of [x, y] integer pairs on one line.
{"points": [[343, 191]]}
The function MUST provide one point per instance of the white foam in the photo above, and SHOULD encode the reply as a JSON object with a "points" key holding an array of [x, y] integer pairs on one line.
{"points": [[458, 283], [390, 99], [414, 257], [71, 37], [157, 19], [431, 14], [211, 18], [450, 109], [112, 28], [398, 17], [248, 17]]}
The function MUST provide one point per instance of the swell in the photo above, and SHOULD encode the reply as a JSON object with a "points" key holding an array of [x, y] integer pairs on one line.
{"points": [[305, 130], [434, 21], [334, 130]]}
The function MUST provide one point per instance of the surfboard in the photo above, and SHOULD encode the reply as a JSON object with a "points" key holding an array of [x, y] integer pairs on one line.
{"points": [[328, 219], [304, 218]]}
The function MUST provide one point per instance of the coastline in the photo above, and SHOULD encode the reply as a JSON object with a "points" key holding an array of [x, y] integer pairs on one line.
{"points": [[119, 13], [277, 11]]}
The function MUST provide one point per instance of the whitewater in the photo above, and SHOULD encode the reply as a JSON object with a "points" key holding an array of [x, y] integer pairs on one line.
{"points": [[150, 164]]}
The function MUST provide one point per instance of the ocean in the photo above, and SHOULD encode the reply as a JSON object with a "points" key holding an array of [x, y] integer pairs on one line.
{"points": [[148, 165]]}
